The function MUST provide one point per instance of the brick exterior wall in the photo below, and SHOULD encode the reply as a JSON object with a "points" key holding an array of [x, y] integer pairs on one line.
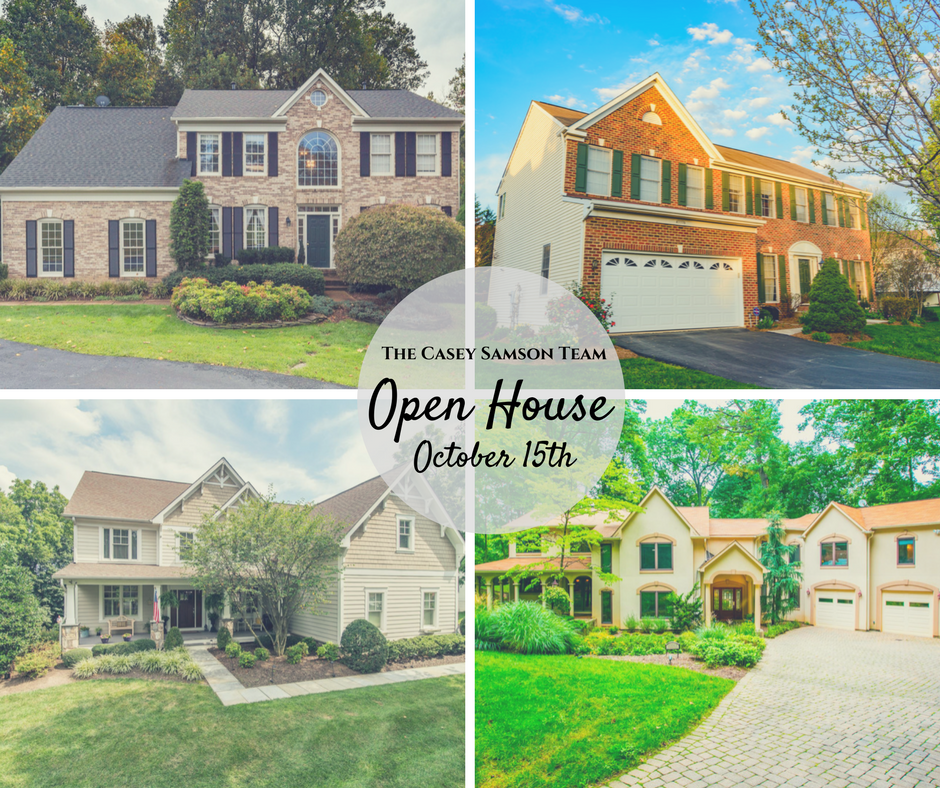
{"points": [[624, 130]]}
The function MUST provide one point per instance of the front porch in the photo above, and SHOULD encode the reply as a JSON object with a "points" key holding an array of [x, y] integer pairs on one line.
{"points": [[577, 584], [189, 639], [731, 584]]}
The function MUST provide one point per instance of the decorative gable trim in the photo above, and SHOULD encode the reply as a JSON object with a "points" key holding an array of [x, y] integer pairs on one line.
{"points": [[321, 76], [221, 474]]}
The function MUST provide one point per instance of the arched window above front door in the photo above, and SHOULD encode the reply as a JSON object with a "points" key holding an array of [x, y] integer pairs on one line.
{"points": [[318, 160]]}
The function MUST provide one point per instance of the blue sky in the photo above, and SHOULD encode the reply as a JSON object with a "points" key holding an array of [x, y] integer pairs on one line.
{"points": [[307, 449], [581, 55]]}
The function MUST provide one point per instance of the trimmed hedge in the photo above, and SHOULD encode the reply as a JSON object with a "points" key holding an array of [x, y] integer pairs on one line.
{"points": [[231, 302], [425, 647], [365, 648], [72, 657], [267, 255], [123, 649], [309, 279]]}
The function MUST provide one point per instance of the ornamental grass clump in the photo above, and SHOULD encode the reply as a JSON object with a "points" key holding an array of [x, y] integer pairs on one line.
{"points": [[173, 663], [528, 628], [231, 302]]}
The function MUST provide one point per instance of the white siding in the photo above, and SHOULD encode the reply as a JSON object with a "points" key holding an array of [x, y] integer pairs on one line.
{"points": [[189, 515], [322, 625], [89, 606], [86, 543], [88, 534]]}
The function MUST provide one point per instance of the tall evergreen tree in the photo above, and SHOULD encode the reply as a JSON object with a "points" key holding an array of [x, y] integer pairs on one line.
{"points": [[782, 575]]}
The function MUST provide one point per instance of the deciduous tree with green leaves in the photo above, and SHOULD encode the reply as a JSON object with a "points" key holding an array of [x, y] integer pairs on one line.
{"points": [[190, 225], [20, 112], [782, 576]]}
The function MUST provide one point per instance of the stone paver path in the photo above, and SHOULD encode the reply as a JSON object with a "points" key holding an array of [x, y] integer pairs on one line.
{"points": [[824, 708], [232, 692]]}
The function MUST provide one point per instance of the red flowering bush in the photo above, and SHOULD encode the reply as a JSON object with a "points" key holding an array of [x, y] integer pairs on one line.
{"points": [[231, 302], [565, 315]]}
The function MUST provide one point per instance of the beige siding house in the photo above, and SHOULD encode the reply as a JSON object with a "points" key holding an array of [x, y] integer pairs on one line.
{"points": [[398, 569], [863, 568]]}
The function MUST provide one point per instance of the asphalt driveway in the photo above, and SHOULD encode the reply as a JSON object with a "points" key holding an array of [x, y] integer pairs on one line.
{"points": [[780, 361], [824, 708], [25, 366]]}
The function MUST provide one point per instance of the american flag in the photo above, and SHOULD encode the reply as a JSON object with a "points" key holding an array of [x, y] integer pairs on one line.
{"points": [[156, 607]]}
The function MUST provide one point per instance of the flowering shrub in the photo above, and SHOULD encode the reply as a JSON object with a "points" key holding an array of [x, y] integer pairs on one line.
{"points": [[562, 314], [231, 302]]}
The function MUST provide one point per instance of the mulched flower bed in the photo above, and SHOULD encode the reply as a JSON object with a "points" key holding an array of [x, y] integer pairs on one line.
{"points": [[837, 339], [684, 661], [310, 669]]}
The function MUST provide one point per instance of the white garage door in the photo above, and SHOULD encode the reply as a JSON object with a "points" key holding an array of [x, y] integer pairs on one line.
{"points": [[835, 609], [670, 292], [907, 614]]}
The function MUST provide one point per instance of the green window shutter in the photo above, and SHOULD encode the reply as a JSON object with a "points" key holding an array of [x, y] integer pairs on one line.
{"points": [[725, 184], [778, 190], [761, 297], [782, 277], [635, 176], [749, 196], [793, 202], [616, 186], [667, 182], [841, 212], [823, 209], [871, 290], [580, 172], [758, 202], [709, 190], [812, 206], [682, 184], [861, 213]]}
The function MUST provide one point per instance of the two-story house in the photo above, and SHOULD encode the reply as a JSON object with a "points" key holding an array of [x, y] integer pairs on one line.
{"points": [[89, 195], [398, 569], [634, 202], [862, 568]]}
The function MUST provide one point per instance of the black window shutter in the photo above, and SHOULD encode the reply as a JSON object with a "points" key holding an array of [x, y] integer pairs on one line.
{"points": [[399, 154], [709, 189], [272, 154], [30, 247], [448, 210], [68, 247], [272, 226], [238, 148], [226, 154], [191, 152], [580, 169], [445, 154], [238, 232], [411, 154], [634, 175], [151, 247], [616, 183], [227, 232], [114, 240], [761, 294], [667, 182], [365, 151]]}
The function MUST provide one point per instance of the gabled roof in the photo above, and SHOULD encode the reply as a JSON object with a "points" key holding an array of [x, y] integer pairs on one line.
{"points": [[678, 513], [735, 547], [95, 147], [222, 468], [351, 505], [110, 495], [230, 103], [400, 104], [887, 515]]}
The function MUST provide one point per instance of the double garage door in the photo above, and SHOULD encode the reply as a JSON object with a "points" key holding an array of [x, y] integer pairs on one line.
{"points": [[907, 614], [835, 609], [671, 292]]}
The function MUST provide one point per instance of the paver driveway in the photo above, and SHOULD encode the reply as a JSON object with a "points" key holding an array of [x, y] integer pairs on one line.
{"points": [[823, 708]]}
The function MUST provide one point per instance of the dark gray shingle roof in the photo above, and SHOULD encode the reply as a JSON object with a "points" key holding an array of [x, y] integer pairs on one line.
{"points": [[230, 103], [349, 506], [88, 147], [400, 104]]}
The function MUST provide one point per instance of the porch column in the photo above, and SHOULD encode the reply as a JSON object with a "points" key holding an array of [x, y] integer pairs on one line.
{"points": [[68, 630], [227, 615], [571, 597], [708, 603], [515, 590], [489, 593], [71, 594], [757, 588]]}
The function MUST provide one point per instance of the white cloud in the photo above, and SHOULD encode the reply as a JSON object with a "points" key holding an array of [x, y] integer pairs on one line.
{"points": [[653, 42], [778, 120], [756, 134], [760, 101], [576, 15], [803, 155], [710, 32], [735, 114], [723, 132], [696, 60], [565, 101], [712, 91], [7, 477], [761, 64], [489, 172]]}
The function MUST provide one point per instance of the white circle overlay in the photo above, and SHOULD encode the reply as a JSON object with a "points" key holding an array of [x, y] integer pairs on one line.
{"points": [[492, 386]]}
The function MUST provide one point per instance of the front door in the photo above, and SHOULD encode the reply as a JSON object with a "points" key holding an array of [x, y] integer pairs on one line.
{"points": [[582, 595], [726, 604], [189, 612], [318, 241], [805, 278]]}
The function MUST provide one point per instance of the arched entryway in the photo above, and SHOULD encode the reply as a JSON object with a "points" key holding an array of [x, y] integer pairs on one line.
{"points": [[582, 596]]}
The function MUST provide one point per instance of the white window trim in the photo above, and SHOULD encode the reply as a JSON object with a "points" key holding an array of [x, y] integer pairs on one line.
{"points": [[659, 180], [131, 274], [339, 163], [39, 271], [773, 201], [391, 160], [264, 168], [796, 196], [264, 214], [213, 207], [610, 172], [436, 625], [383, 627], [742, 208], [320, 90], [854, 214], [199, 170], [411, 541], [437, 155], [776, 276], [501, 207], [179, 541], [689, 168], [140, 601], [112, 559]]}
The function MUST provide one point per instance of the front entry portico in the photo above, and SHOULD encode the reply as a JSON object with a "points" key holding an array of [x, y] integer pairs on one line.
{"points": [[731, 584]]}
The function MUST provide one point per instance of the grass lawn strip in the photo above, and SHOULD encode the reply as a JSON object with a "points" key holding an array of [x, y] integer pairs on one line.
{"points": [[917, 342], [164, 735], [328, 351], [567, 723], [645, 373]]}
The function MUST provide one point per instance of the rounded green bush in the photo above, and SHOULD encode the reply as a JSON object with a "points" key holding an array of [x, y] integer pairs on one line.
{"points": [[328, 651], [233, 650], [820, 336], [485, 319], [223, 638], [144, 644], [261, 653], [73, 656], [294, 654], [833, 306], [174, 639], [246, 660], [365, 648]]}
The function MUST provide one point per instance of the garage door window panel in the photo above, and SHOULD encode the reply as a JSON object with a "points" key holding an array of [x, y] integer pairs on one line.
{"points": [[598, 171], [834, 554]]}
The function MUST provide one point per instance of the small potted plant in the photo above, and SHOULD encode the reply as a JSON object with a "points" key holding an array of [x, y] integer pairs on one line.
{"points": [[127, 637], [84, 632], [104, 638]]}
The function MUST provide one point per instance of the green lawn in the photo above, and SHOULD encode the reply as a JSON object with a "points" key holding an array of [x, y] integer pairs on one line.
{"points": [[566, 722], [645, 373], [920, 342], [151, 734], [331, 351]]}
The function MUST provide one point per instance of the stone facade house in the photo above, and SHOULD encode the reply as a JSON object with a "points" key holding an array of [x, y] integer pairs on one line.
{"points": [[863, 568], [634, 202], [399, 569], [89, 195]]}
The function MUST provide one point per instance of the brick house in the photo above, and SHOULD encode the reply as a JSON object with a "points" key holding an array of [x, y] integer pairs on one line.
{"points": [[89, 196], [634, 202]]}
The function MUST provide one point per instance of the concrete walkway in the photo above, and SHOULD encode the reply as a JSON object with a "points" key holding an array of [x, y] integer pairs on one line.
{"points": [[825, 708], [232, 692]]}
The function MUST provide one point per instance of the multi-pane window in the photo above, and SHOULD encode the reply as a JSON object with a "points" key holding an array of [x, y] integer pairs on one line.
{"points": [[215, 229], [501, 211], [50, 245], [430, 609], [120, 544], [695, 187], [318, 98], [427, 154], [381, 152], [599, 163], [853, 215], [830, 202], [794, 554], [376, 605], [736, 193], [132, 247], [318, 160], [255, 227], [769, 264], [767, 199], [130, 600], [546, 268], [209, 154], [112, 601], [802, 211], [405, 533], [655, 604], [606, 558], [834, 554], [905, 550], [650, 179], [254, 154], [655, 556], [186, 543], [580, 547]]}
